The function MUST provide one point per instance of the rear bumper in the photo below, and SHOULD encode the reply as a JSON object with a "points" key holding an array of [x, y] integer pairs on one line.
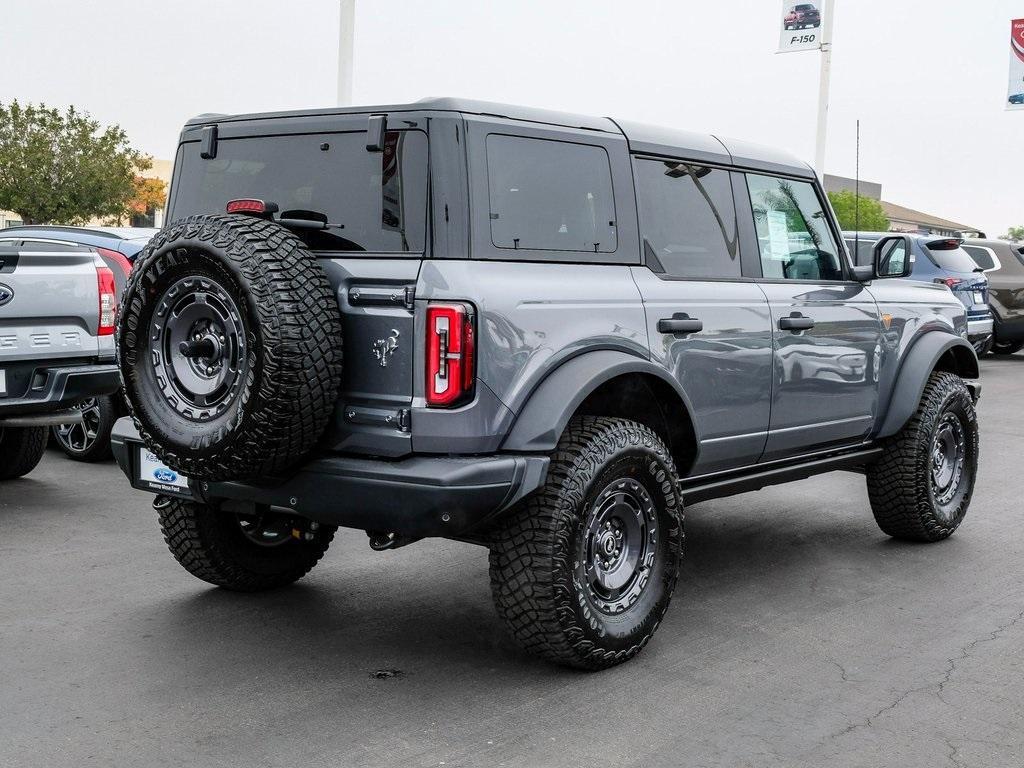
{"points": [[61, 388], [416, 497], [979, 329]]}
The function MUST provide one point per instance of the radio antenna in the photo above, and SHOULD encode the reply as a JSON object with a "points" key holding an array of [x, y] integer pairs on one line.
{"points": [[856, 200]]}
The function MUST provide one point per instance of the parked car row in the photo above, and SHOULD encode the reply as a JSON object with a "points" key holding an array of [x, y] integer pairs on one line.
{"points": [[1003, 264], [939, 259], [45, 268]]}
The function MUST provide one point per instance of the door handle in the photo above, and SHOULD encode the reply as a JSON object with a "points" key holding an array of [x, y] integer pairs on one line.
{"points": [[681, 324], [796, 322]]}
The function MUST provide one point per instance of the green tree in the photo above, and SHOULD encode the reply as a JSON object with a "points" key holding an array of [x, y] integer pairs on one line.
{"points": [[63, 167], [1015, 234], [865, 214]]}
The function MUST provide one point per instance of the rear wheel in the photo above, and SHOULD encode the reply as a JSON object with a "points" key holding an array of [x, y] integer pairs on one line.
{"points": [[249, 552], [921, 487], [583, 572], [88, 440], [21, 449], [1007, 347]]}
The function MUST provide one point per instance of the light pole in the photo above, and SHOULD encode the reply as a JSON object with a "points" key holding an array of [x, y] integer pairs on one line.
{"points": [[823, 87], [346, 33]]}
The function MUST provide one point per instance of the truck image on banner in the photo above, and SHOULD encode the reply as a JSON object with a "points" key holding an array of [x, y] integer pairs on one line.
{"points": [[800, 26], [1015, 96]]}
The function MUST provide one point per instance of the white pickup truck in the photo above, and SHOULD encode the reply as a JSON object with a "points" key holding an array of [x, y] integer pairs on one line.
{"points": [[57, 314]]}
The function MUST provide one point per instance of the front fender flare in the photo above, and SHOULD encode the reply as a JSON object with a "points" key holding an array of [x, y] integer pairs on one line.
{"points": [[914, 371], [547, 411]]}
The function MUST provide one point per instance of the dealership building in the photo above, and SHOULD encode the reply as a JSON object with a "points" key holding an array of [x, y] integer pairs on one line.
{"points": [[901, 218]]}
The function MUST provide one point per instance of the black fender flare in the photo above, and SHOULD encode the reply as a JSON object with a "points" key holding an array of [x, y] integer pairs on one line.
{"points": [[913, 374], [547, 411]]}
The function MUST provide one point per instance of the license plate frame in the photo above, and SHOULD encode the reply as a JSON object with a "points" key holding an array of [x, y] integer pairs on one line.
{"points": [[979, 297], [153, 475]]}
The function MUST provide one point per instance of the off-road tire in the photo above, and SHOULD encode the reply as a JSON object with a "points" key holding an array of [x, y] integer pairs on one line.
{"points": [[99, 448], [535, 557], [1007, 347], [21, 449], [209, 544], [901, 485], [288, 347]]}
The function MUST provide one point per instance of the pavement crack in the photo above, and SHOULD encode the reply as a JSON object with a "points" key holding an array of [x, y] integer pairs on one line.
{"points": [[934, 688]]}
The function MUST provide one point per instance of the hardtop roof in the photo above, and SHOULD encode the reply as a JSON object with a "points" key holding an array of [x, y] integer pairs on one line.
{"points": [[642, 138]]}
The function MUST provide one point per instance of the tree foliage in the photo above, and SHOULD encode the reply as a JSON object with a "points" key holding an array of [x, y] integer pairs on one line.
{"points": [[869, 218], [63, 167], [1015, 234]]}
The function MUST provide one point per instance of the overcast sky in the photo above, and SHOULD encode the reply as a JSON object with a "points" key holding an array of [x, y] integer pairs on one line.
{"points": [[927, 80]]}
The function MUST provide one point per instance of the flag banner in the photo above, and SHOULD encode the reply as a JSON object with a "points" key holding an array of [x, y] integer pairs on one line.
{"points": [[800, 26], [1015, 96]]}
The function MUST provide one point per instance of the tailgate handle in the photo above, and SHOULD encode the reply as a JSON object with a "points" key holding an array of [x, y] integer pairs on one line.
{"points": [[396, 295]]}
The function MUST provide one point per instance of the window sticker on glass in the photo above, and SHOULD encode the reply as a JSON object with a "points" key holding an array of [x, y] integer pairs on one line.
{"points": [[778, 236]]}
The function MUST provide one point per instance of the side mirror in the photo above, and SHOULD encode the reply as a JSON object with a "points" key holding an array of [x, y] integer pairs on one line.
{"points": [[892, 257]]}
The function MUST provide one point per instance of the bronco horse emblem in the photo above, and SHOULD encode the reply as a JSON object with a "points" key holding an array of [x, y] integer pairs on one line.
{"points": [[384, 348]]}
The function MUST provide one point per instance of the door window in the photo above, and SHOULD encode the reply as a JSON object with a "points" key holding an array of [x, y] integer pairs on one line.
{"points": [[550, 195], [792, 230], [687, 218]]}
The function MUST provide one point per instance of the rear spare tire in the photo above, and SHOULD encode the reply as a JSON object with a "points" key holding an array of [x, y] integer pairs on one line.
{"points": [[229, 343]]}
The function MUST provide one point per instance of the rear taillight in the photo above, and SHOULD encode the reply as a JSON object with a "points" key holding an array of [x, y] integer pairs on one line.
{"points": [[949, 282], [108, 300], [451, 347], [118, 258]]}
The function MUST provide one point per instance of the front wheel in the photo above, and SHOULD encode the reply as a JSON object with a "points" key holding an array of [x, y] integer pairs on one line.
{"points": [[583, 571], [921, 487], [241, 552]]}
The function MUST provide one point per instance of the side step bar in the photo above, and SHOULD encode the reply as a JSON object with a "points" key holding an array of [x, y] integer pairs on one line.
{"points": [[717, 486]]}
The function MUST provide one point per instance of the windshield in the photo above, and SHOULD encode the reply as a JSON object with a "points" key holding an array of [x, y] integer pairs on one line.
{"points": [[373, 201]]}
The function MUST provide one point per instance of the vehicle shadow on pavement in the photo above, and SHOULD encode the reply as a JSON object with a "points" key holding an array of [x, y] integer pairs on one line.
{"points": [[427, 609]]}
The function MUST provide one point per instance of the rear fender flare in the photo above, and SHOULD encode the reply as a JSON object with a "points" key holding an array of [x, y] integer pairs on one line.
{"points": [[547, 411], [917, 366]]}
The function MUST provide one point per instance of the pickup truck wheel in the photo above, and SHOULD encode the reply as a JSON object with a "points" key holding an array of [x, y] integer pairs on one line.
{"points": [[21, 449], [921, 487], [244, 553], [229, 342], [89, 440], [1007, 347], [583, 571]]}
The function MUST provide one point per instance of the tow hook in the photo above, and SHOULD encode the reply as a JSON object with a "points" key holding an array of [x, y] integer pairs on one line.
{"points": [[380, 541]]}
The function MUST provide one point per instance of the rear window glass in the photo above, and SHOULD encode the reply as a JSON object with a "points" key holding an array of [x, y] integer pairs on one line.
{"points": [[955, 260], [373, 201], [981, 256], [550, 195]]}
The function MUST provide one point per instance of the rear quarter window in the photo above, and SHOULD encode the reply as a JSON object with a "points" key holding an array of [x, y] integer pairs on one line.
{"points": [[547, 195]]}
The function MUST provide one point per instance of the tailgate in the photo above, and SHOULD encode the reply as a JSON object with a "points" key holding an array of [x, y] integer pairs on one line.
{"points": [[50, 305]]}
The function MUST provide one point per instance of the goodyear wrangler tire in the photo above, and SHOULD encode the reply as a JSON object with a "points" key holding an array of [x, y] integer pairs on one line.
{"points": [[229, 343], [922, 485], [583, 571]]}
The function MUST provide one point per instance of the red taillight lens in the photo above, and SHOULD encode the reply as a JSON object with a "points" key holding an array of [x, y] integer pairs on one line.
{"points": [[118, 258], [451, 348], [108, 300], [949, 282], [246, 205]]}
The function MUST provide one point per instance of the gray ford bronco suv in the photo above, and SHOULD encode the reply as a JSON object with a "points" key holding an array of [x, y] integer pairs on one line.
{"points": [[557, 330]]}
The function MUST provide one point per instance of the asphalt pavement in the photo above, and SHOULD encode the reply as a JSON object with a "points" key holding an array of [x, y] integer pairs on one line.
{"points": [[799, 636]]}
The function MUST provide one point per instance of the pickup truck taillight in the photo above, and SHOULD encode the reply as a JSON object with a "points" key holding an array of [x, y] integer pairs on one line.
{"points": [[451, 345], [108, 300]]}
